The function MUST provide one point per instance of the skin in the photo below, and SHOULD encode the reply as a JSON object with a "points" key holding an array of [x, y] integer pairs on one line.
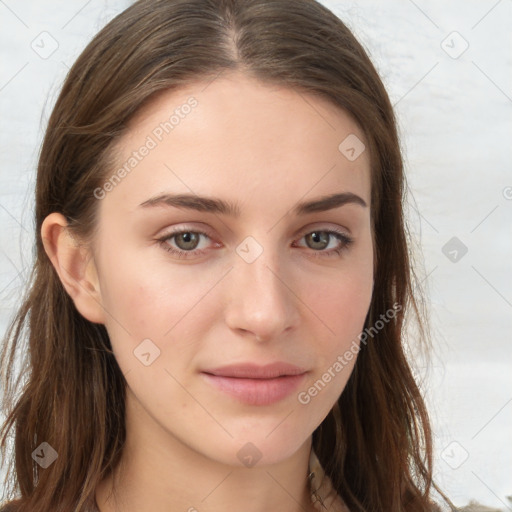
{"points": [[266, 148]]}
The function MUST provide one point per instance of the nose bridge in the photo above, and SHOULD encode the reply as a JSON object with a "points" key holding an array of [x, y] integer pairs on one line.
{"points": [[260, 301]]}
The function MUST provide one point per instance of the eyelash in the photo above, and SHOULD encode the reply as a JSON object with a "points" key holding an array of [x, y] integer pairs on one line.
{"points": [[345, 239]]}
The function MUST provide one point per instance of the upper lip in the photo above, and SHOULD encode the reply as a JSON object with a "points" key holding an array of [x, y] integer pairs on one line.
{"points": [[254, 371]]}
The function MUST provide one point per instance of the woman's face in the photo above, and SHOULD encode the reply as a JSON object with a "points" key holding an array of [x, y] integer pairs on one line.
{"points": [[255, 278]]}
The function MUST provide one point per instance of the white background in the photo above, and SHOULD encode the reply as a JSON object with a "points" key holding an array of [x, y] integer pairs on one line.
{"points": [[454, 111]]}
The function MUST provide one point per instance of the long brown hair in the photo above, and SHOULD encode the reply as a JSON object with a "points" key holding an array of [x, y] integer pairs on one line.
{"points": [[375, 444]]}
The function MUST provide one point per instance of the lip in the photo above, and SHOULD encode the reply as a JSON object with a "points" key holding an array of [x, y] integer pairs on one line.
{"points": [[255, 371], [256, 385]]}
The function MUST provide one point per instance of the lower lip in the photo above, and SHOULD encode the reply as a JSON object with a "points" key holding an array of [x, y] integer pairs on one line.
{"points": [[256, 391]]}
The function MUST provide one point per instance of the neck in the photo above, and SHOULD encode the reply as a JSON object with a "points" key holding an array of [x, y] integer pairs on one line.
{"points": [[157, 472]]}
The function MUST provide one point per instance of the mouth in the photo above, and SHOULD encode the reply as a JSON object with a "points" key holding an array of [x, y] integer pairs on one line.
{"points": [[256, 385]]}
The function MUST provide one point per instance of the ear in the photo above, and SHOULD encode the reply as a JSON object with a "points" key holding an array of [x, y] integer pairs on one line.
{"points": [[74, 265]]}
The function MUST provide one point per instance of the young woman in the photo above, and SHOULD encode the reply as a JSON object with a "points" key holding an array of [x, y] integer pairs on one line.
{"points": [[216, 314]]}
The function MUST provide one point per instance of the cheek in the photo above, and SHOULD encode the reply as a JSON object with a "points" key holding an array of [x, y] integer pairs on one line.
{"points": [[342, 301], [150, 302], [341, 306], [342, 311]]}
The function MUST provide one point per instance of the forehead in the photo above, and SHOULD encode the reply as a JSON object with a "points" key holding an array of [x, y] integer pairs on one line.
{"points": [[237, 136]]}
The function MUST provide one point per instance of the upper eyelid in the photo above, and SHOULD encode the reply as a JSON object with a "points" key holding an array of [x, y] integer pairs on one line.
{"points": [[301, 233], [317, 226]]}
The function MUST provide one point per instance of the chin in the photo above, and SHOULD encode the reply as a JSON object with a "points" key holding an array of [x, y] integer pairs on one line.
{"points": [[263, 442]]}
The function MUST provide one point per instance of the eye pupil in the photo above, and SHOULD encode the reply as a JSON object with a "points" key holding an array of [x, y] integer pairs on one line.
{"points": [[187, 242], [319, 237], [188, 238]]}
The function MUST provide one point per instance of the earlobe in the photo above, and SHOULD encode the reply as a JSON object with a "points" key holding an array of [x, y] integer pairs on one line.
{"points": [[75, 267]]}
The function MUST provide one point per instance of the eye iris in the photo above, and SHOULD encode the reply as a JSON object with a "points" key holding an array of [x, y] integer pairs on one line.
{"points": [[187, 238], [319, 237]]}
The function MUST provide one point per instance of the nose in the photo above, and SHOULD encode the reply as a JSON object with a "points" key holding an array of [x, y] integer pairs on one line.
{"points": [[262, 303]]}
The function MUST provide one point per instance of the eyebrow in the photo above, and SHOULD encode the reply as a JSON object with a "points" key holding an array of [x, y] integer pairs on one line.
{"points": [[219, 206]]}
